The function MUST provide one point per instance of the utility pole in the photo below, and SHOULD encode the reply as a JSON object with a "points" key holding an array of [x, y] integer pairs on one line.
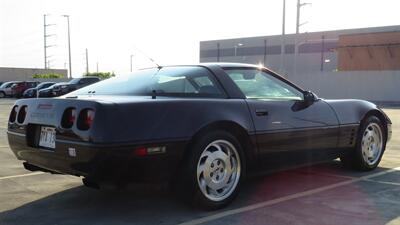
{"points": [[131, 62], [45, 46], [283, 37], [97, 67], [87, 62], [45, 36], [69, 47], [299, 5]]}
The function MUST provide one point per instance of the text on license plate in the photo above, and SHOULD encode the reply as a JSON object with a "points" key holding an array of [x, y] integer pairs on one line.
{"points": [[47, 137]]}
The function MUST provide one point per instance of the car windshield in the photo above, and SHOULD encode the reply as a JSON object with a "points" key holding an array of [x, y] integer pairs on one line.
{"points": [[74, 81], [6, 85], [43, 85], [51, 86], [189, 81]]}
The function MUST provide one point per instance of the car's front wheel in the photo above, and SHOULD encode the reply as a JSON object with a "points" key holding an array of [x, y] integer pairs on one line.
{"points": [[2, 95], [214, 170], [370, 146]]}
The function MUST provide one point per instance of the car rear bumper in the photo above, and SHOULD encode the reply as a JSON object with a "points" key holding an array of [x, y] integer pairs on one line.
{"points": [[100, 162]]}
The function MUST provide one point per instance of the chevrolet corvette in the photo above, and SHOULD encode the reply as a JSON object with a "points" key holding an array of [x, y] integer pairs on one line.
{"points": [[201, 127]]}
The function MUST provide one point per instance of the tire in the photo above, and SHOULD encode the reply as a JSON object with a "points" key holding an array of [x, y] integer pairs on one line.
{"points": [[2, 95], [370, 146], [213, 171]]}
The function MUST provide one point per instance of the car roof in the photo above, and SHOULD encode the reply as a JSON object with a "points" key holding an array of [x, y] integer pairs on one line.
{"points": [[222, 64], [88, 77]]}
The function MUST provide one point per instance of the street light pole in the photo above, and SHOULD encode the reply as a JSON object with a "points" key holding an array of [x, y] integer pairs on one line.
{"points": [[69, 47]]}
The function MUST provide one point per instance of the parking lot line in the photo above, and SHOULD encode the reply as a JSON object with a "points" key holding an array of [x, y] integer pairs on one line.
{"points": [[21, 175], [285, 198], [382, 182]]}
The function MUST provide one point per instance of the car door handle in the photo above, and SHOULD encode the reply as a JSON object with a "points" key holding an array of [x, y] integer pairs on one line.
{"points": [[261, 112]]}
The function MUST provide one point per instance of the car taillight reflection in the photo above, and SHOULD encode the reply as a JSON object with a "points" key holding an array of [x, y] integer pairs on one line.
{"points": [[85, 119], [22, 114], [13, 114], [68, 118]]}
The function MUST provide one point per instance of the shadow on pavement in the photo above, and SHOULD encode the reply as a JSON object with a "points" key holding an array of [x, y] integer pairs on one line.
{"points": [[357, 203]]}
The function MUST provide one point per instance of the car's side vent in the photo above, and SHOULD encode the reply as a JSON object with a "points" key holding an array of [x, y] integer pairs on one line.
{"points": [[352, 136], [22, 114], [13, 114]]}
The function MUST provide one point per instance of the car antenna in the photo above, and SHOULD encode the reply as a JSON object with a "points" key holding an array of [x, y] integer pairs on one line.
{"points": [[149, 58]]}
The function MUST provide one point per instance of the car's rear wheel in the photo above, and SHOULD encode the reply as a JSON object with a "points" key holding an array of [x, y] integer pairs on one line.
{"points": [[214, 170], [371, 143]]}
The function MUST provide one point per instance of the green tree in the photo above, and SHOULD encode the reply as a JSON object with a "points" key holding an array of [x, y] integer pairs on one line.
{"points": [[101, 75]]}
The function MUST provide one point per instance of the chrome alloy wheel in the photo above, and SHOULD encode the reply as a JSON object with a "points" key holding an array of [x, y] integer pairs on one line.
{"points": [[218, 170], [372, 143]]}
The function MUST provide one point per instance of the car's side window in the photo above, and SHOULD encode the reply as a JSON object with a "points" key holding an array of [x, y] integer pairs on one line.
{"points": [[257, 84], [193, 81]]}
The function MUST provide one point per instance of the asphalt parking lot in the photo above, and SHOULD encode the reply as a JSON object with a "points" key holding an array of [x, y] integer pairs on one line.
{"points": [[321, 194]]}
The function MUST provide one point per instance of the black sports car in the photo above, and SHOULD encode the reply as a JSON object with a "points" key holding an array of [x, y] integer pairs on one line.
{"points": [[48, 92], [73, 85], [202, 127]]}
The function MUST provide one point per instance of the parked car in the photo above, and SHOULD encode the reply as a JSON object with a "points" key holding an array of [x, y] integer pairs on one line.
{"points": [[18, 88], [32, 92], [1, 82], [48, 92], [5, 88], [74, 84], [201, 127]]}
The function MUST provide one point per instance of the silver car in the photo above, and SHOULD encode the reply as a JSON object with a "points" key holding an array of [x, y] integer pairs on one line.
{"points": [[5, 89]]}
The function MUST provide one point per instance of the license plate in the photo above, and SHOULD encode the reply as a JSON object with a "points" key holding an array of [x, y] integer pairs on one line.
{"points": [[47, 137]]}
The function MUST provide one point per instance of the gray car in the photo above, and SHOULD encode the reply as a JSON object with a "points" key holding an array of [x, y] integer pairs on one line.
{"points": [[5, 88]]}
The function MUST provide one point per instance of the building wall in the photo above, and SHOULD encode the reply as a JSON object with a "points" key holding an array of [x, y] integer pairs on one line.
{"points": [[310, 59], [305, 52], [373, 51], [376, 86], [25, 74]]}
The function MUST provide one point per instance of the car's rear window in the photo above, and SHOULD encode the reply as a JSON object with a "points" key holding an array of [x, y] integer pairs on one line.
{"points": [[184, 81]]}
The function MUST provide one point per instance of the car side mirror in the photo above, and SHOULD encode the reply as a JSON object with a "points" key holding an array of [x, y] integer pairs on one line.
{"points": [[309, 97]]}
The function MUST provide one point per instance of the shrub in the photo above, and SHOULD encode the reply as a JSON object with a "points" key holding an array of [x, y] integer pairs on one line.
{"points": [[101, 75], [48, 75]]}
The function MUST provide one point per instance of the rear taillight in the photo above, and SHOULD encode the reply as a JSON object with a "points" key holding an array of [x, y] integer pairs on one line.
{"points": [[22, 114], [85, 119], [68, 118], [13, 114]]}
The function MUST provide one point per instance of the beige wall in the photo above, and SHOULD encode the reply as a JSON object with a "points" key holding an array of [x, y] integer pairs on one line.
{"points": [[376, 86], [23, 74]]}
